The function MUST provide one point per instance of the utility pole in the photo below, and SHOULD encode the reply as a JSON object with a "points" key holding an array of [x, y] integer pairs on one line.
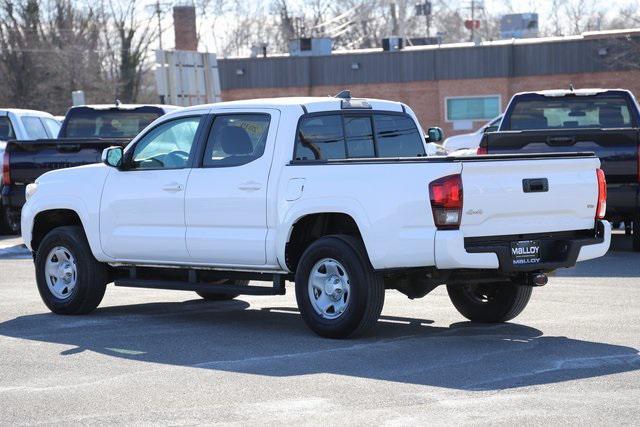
{"points": [[473, 5], [473, 20], [159, 16], [157, 10]]}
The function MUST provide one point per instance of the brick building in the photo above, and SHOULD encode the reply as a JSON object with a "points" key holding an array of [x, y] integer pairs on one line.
{"points": [[457, 86]]}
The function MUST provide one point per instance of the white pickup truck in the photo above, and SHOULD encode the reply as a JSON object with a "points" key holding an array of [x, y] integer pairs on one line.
{"points": [[335, 194]]}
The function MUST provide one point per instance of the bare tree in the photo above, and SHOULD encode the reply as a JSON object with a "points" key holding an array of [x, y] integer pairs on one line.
{"points": [[47, 50], [21, 44], [128, 38]]}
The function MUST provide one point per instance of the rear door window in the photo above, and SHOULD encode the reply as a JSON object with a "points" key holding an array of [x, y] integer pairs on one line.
{"points": [[342, 136], [321, 138], [34, 127], [236, 139], [538, 112]]}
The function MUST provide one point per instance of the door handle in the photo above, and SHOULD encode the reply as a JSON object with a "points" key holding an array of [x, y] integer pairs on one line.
{"points": [[172, 188], [561, 140], [250, 186], [535, 185]]}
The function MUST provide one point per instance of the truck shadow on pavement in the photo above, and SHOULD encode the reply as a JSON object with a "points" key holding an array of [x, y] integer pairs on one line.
{"points": [[233, 337]]}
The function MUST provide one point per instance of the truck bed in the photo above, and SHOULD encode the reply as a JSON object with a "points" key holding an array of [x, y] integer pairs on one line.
{"points": [[30, 159]]}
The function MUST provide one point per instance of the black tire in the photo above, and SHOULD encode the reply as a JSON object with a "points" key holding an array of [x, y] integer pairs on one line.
{"points": [[366, 288], [490, 303], [9, 224], [213, 296], [91, 278], [635, 234]]}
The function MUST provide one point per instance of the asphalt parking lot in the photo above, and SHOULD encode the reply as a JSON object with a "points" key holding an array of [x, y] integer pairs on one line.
{"points": [[149, 356]]}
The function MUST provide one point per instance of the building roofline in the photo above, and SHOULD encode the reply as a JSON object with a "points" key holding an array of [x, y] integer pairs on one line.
{"points": [[590, 35]]}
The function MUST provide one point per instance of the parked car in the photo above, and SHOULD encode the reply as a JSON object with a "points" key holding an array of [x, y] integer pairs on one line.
{"points": [[470, 140], [603, 121], [336, 194], [18, 124], [85, 132]]}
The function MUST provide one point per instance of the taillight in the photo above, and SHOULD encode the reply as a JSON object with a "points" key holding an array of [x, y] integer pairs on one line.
{"points": [[601, 208], [446, 202], [482, 150], [6, 176]]}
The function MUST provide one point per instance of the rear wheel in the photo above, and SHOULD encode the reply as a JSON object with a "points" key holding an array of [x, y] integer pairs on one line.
{"points": [[635, 234], [338, 292], [9, 223], [490, 302], [216, 296], [70, 280]]}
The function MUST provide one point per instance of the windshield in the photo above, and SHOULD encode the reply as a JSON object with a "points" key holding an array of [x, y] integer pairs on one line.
{"points": [[113, 123], [571, 112]]}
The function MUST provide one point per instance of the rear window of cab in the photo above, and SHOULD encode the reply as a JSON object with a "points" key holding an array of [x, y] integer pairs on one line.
{"points": [[538, 112], [357, 135]]}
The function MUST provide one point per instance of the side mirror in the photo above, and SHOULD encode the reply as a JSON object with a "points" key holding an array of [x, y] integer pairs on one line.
{"points": [[493, 128], [112, 156], [435, 135]]}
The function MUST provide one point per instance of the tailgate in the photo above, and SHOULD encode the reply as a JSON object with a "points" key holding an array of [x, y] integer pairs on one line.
{"points": [[616, 148], [30, 159], [520, 196]]}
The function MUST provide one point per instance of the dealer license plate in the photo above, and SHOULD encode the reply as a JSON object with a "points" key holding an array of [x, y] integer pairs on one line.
{"points": [[525, 252]]}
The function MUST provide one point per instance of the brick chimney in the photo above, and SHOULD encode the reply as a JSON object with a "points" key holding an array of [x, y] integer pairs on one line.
{"points": [[184, 27]]}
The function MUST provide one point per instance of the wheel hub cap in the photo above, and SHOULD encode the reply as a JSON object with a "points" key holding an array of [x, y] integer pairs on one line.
{"points": [[61, 272], [329, 288]]}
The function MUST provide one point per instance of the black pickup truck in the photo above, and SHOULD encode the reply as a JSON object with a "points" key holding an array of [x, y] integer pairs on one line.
{"points": [[604, 121], [85, 132]]}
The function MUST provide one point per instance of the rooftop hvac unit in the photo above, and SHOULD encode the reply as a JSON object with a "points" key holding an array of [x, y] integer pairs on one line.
{"points": [[423, 41], [519, 25], [392, 43], [310, 46]]}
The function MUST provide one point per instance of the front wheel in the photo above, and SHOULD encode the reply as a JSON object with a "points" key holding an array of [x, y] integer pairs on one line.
{"points": [[70, 280], [490, 302], [338, 292]]}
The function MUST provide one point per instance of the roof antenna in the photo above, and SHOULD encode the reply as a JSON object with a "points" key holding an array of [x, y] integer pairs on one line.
{"points": [[345, 94], [571, 88]]}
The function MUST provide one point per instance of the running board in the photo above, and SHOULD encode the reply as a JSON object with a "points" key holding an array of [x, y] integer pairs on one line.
{"points": [[278, 287]]}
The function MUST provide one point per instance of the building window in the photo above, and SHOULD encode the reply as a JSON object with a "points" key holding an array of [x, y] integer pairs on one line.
{"points": [[472, 107]]}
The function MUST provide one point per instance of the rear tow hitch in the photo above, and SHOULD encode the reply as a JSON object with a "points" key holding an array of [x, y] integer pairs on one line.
{"points": [[538, 279]]}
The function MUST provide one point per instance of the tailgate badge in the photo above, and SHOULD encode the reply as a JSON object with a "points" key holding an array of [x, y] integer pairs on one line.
{"points": [[474, 212]]}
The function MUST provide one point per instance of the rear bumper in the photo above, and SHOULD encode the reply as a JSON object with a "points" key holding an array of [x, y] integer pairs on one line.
{"points": [[558, 250]]}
